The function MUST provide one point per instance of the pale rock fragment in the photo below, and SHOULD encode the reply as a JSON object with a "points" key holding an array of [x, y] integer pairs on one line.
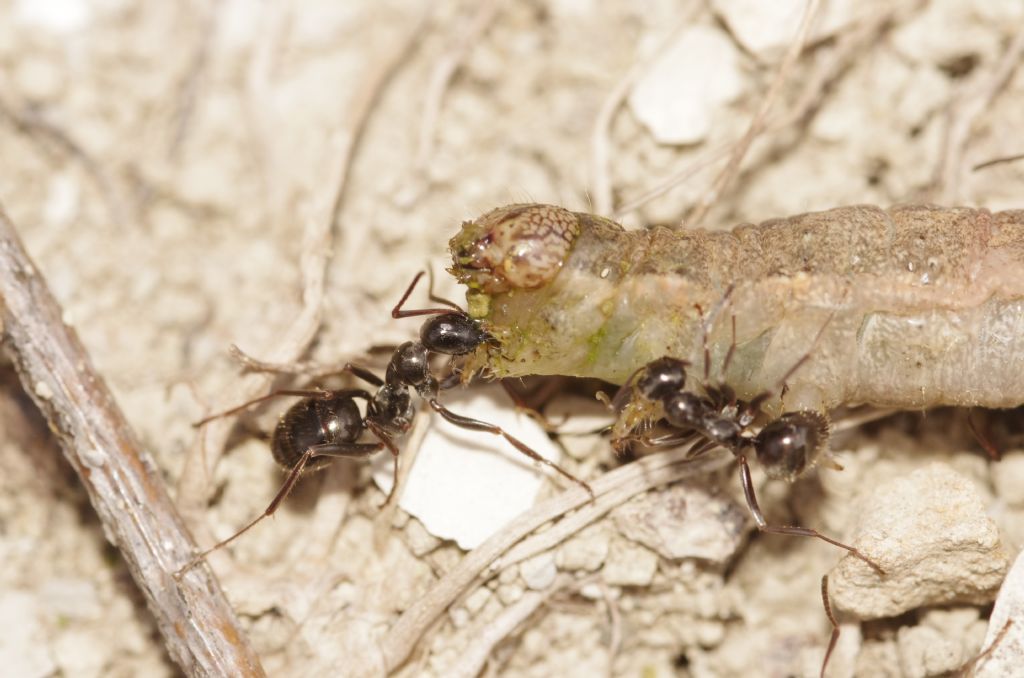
{"points": [[677, 98], [629, 564], [584, 551], [687, 520], [930, 533], [539, 572], [1007, 654], [768, 28], [466, 485], [1008, 479], [476, 600], [924, 651], [419, 541], [510, 593]]}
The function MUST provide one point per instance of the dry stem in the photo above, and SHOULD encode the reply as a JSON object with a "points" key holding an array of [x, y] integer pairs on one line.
{"points": [[601, 193], [123, 483], [976, 98], [194, 486], [619, 485], [759, 123], [850, 45], [442, 74]]}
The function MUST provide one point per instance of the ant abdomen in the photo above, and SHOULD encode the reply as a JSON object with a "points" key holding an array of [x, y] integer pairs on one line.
{"points": [[315, 421], [791, 444]]}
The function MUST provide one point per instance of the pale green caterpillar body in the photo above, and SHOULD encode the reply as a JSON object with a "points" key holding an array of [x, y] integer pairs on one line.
{"points": [[907, 307]]}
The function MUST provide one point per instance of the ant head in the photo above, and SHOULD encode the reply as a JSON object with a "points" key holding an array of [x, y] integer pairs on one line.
{"points": [[392, 409], [789, 445], [452, 334], [662, 378]]}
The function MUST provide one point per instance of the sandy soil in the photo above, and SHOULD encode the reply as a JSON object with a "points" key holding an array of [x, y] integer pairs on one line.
{"points": [[170, 166]]}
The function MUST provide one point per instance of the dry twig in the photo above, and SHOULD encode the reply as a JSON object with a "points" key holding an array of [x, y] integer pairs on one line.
{"points": [[975, 99], [601, 193], [850, 45], [194, 486], [124, 485], [759, 123], [444, 71], [619, 485], [473, 659]]}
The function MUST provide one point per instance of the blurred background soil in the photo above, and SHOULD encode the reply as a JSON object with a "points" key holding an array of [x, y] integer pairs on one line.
{"points": [[171, 167]]}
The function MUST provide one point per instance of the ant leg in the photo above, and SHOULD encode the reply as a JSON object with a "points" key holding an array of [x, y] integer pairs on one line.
{"points": [[387, 442], [831, 620], [522, 406], [668, 439], [449, 382], [397, 311], [763, 526], [969, 668], [991, 450], [350, 450], [477, 425], [363, 373], [279, 393]]}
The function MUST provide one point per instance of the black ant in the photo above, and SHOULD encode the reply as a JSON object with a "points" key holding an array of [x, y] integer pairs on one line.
{"points": [[327, 423], [785, 447]]}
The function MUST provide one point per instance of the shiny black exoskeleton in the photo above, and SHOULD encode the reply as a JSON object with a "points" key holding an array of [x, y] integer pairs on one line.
{"points": [[715, 417], [327, 424]]}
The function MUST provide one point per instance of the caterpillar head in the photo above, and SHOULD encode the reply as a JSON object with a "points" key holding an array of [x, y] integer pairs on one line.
{"points": [[514, 247]]}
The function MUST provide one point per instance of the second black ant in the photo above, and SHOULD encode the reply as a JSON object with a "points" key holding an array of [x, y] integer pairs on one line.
{"points": [[326, 424]]}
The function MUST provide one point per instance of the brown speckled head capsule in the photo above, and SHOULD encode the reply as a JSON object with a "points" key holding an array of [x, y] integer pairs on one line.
{"points": [[514, 247]]}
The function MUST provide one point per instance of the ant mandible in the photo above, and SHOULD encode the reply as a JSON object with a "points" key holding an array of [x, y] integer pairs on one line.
{"points": [[326, 424]]}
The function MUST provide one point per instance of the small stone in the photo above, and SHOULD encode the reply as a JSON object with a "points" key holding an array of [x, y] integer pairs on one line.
{"points": [[586, 551], [539, 572], [509, 593], [924, 651], [476, 600], [80, 653], [1007, 654], [768, 28], [930, 533], [509, 575], [629, 564], [686, 86], [419, 541], [39, 79], [687, 520], [1008, 479], [459, 616]]}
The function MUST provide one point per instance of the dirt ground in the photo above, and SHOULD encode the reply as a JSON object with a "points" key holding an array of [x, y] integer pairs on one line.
{"points": [[177, 170]]}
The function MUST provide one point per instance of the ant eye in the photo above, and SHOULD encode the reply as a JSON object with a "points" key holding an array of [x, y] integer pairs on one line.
{"points": [[452, 334], [787, 446], [662, 378]]}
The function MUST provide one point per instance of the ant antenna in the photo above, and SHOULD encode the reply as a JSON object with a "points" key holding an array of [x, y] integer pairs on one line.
{"points": [[397, 311]]}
